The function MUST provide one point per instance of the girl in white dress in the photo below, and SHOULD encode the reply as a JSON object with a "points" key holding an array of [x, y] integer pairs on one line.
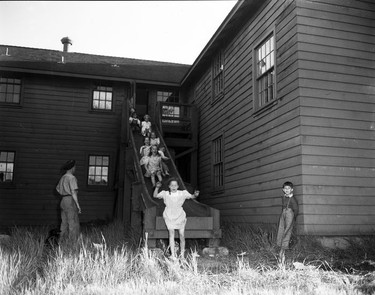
{"points": [[146, 126], [145, 151], [153, 165], [154, 140], [174, 215]]}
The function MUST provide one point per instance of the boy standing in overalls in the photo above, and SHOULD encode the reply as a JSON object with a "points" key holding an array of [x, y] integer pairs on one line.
{"points": [[288, 216]]}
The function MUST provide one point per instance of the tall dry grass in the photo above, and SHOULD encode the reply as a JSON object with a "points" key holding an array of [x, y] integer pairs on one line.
{"points": [[106, 261]]}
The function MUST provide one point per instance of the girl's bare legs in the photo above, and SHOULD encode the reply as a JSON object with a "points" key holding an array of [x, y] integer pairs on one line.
{"points": [[182, 241], [159, 176], [153, 179], [171, 242]]}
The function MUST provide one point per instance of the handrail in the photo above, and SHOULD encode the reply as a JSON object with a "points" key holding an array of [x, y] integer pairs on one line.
{"points": [[147, 200]]}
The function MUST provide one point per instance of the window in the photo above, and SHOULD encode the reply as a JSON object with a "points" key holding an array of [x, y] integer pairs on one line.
{"points": [[102, 98], [98, 170], [217, 76], [7, 166], [264, 87], [169, 110], [167, 96], [10, 90], [217, 164]]}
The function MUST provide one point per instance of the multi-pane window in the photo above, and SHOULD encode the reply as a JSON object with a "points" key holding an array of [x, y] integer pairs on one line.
{"points": [[265, 72], [10, 90], [217, 75], [167, 96], [169, 110], [98, 170], [217, 164], [102, 98], [6, 166]]}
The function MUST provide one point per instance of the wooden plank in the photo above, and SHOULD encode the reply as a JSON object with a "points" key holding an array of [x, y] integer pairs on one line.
{"points": [[193, 223], [189, 234], [317, 70], [338, 161], [334, 190], [352, 210], [334, 200], [335, 104], [330, 42], [339, 219], [339, 133], [338, 229], [344, 8], [339, 181]]}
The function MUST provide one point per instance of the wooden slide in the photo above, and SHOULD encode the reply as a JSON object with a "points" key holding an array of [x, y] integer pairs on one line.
{"points": [[202, 221]]}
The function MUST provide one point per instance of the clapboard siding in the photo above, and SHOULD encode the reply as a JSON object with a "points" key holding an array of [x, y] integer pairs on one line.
{"points": [[336, 59], [260, 151], [320, 132], [54, 124]]}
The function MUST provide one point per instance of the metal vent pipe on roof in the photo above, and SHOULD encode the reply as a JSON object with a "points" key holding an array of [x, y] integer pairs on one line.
{"points": [[66, 41]]}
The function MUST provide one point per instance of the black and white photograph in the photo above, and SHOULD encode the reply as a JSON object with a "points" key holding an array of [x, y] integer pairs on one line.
{"points": [[187, 147]]}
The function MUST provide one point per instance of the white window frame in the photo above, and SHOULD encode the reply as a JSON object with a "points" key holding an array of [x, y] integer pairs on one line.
{"points": [[264, 72]]}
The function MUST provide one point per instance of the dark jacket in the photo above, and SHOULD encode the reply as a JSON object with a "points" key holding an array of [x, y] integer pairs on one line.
{"points": [[290, 203]]}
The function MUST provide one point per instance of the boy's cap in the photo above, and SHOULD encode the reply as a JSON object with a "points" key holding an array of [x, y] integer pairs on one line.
{"points": [[68, 165]]}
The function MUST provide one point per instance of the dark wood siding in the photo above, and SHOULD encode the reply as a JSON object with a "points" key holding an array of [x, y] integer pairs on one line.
{"points": [[336, 44], [261, 150], [55, 124]]}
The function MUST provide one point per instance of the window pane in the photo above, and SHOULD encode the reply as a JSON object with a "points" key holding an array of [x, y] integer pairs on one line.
{"points": [[16, 98], [98, 170], [9, 97], [105, 171], [91, 170], [3, 156], [10, 157], [3, 167], [91, 180], [10, 167], [97, 179], [105, 161], [17, 88], [267, 47], [8, 176], [92, 160], [108, 105], [10, 88], [95, 104], [96, 95], [102, 105], [99, 161]]}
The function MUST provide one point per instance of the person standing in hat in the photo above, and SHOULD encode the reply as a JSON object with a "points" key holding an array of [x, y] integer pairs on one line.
{"points": [[68, 189]]}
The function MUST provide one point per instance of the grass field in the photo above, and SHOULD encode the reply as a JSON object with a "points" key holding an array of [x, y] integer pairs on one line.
{"points": [[107, 261]]}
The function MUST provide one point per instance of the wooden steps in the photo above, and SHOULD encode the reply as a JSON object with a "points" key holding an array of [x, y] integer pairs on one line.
{"points": [[196, 227]]}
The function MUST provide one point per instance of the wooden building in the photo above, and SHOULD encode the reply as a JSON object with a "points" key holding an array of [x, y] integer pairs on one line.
{"points": [[60, 105], [286, 91]]}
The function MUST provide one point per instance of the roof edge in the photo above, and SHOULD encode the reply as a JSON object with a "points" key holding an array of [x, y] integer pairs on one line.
{"points": [[85, 76], [98, 55], [213, 38]]}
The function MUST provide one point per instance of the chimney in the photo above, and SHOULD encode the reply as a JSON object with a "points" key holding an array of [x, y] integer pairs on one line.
{"points": [[66, 41]]}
